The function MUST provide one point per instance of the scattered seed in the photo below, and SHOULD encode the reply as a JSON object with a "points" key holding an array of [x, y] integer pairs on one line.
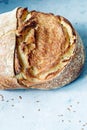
{"points": [[20, 97], [22, 116], [74, 111], [7, 100], [83, 125], [70, 105], [38, 109], [79, 121], [78, 102], [62, 120], [1, 97], [12, 99], [37, 101], [12, 105], [68, 109]]}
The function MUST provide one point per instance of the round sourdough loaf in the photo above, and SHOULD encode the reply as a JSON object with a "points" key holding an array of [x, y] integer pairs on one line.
{"points": [[38, 50]]}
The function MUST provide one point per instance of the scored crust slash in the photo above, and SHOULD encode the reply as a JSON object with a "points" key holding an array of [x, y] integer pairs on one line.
{"points": [[38, 50]]}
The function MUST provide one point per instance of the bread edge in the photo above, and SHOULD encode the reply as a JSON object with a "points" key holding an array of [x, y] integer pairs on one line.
{"points": [[70, 72]]}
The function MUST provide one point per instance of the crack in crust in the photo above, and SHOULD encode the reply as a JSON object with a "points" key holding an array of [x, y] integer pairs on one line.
{"points": [[45, 46]]}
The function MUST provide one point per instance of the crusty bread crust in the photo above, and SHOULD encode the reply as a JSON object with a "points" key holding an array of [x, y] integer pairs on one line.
{"points": [[69, 72]]}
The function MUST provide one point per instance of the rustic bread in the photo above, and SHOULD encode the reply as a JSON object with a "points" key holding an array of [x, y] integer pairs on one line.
{"points": [[40, 50]]}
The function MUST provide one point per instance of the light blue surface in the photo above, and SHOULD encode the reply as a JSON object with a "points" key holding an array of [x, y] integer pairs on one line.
{"points": [[46, 114]]}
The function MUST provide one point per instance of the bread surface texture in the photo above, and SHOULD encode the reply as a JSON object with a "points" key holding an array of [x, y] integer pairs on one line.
{"points": [[38, 50]]}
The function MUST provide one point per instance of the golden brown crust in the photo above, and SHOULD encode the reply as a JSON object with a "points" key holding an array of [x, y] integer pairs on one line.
{"points": [[72, 70], [42, 44]]}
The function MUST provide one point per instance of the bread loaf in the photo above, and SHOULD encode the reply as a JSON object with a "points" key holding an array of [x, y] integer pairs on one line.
{"points": [[38, 50]]}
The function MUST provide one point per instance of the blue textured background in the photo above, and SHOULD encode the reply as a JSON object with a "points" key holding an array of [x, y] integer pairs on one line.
{"points": [[60, 109]]}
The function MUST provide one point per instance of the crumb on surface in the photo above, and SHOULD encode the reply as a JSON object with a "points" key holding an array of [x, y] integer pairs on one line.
{"points": [[38, 109], [1, 97], [7, 100], [62, 120], [70, 105], [12, 99], [22, 116], [12, 105], [20, 97], [74, 111], [78, 102], [83, 125], [37, 101], [68, 109]]}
